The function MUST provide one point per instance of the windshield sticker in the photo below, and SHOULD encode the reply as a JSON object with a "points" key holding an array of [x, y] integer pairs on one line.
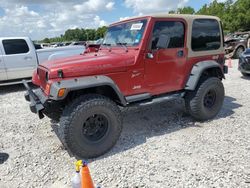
{"points": [[136, 26]]}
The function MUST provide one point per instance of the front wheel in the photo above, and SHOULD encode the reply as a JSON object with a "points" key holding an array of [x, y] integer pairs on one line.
{"points": [[206, 101], [238, 52], [90, 126]]}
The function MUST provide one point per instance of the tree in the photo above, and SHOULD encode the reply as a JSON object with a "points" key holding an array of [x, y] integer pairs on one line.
{"points": [[186, 10], [172, 12], [69, 35], [233, 14], [239, 15], [100, 32], [46, 40]]}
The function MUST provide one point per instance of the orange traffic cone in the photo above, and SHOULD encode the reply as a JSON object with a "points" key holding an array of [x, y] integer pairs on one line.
{"points": [[86, 177]]}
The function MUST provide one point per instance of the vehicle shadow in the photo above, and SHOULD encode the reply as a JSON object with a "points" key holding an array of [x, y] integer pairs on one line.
{"points": [[245, 77], [13, 88], [142, 123], [3, 157], [230, 104]]}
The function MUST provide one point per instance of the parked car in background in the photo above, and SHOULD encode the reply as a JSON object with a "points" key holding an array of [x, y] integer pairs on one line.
{"points": [[94, 46], [236, 44], [45, 45], [99, 41], [83, 43], [19, 58], [244, 63], [66, 43], [57, 44], [37, 46]]}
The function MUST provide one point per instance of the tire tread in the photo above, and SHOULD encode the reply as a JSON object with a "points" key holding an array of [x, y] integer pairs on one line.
{"points": [[79, 105]]}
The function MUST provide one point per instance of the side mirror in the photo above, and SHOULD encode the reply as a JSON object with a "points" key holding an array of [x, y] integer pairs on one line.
{"points": [[163, 42]]}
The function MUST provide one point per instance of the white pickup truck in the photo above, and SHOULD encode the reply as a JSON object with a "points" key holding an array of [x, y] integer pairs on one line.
{"points": [[19, 58]]}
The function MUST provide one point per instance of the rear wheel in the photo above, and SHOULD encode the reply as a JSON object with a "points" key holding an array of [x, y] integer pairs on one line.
{"points": [[206, 101], [238, 52], [90, 126]]}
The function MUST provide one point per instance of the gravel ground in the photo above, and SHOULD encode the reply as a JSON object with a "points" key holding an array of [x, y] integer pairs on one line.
{"points": [[160, 146]]}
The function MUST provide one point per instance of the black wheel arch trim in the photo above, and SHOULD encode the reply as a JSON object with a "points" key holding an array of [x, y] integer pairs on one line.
{"points": [[84, 83], [197, 71]]}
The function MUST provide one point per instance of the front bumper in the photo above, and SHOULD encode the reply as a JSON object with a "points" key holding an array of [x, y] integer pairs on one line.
{"points": [[36, 98]]}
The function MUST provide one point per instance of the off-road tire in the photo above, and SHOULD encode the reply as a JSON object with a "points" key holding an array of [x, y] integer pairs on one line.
{"points": [[78, 112], [195, 100], [238, 52], [245, 74]]}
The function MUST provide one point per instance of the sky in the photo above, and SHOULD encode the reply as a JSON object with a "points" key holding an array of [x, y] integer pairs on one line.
{"points": [[50, 18]]}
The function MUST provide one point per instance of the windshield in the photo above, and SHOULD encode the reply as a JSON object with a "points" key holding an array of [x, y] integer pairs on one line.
{"points": [[241, 36], [129, 34]]}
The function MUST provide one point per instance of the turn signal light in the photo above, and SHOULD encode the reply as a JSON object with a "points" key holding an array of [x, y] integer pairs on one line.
{"points": [[47, 89], [61, 92]]}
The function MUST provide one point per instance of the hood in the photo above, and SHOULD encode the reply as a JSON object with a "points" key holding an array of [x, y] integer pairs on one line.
{"points": [[90, 64], [235, 40]]}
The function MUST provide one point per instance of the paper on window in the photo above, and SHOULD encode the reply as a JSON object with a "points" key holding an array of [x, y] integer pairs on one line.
{"points": [[136, 26]]}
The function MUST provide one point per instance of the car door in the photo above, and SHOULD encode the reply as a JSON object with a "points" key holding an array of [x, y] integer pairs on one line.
{"points": [[19, 58], [3, 75], [164, 66]]}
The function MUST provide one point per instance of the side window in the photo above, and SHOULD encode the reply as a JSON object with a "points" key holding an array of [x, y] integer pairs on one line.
{"points": [[206, 35], [175, 30], [15, 46]]}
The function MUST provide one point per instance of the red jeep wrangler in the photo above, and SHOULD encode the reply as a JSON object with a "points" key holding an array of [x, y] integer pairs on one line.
{"points": [[142, 60]]}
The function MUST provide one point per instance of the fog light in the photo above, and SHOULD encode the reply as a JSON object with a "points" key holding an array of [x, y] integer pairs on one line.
{"points": [[61, 92]]}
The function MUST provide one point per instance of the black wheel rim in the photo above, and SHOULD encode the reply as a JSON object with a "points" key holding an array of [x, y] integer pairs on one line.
{"points": [[209, 99], [95, 127]]}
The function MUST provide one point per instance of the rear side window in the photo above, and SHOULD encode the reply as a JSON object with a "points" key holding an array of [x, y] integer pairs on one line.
{"points": [[206, 35], [15, 46], [174, 29]]}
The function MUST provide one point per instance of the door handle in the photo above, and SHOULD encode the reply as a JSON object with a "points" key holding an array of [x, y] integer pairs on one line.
{"points": [[27, 57], [180, 53]]}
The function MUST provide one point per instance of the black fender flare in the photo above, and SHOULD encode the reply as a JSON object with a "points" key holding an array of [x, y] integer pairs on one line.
{"points": [[197, 71], [84, 83]]}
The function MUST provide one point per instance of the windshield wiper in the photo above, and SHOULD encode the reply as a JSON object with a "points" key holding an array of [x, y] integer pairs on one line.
{"points": [[123, 44], [107, 45]]}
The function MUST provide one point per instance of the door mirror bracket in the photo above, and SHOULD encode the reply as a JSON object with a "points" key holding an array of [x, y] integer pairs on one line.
{"points": [[163, 42]]}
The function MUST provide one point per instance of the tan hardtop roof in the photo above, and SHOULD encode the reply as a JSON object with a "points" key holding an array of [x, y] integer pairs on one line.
{"points": [[188, 17], [184, 16]]}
